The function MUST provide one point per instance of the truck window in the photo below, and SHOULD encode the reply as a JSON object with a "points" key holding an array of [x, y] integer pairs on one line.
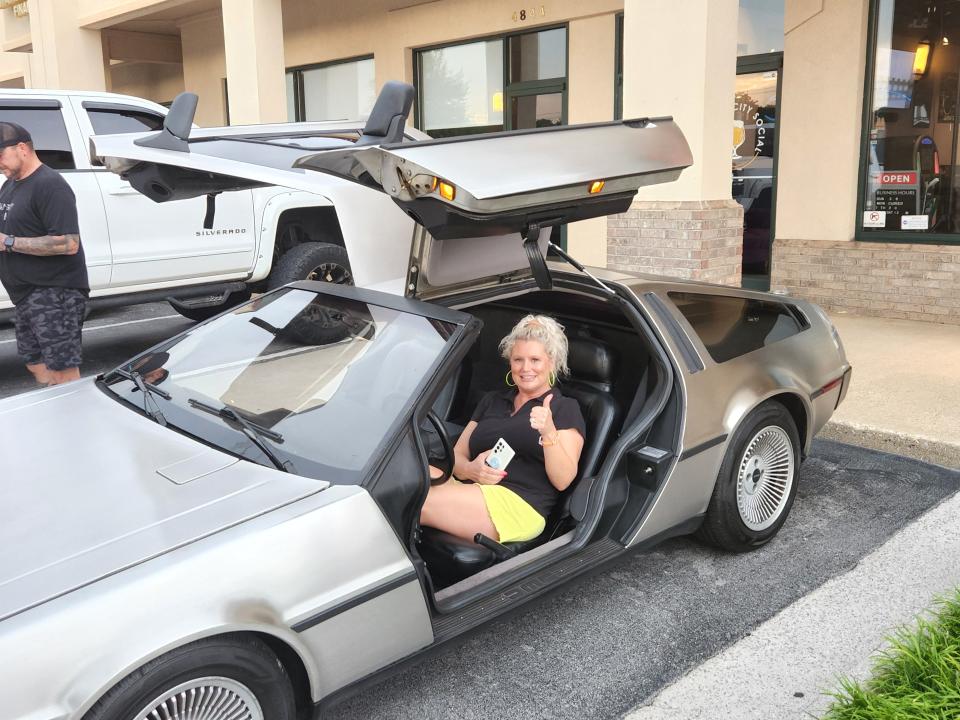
{"points": [[49, 134], [733, 326], [109, 122]]}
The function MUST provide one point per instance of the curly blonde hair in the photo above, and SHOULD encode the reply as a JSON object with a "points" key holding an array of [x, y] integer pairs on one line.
{"points": [[545, 330]]}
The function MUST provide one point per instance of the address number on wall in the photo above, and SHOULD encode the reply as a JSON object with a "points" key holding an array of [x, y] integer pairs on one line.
{"points": [[529, 13]]}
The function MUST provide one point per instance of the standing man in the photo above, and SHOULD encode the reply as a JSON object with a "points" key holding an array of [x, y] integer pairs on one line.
{"points": [[42, 265]]}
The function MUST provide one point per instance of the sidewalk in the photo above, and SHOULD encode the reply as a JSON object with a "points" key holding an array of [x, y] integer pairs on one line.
{"points": [[905, 399]]}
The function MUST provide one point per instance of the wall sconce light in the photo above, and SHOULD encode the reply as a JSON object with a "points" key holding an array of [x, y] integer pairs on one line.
{"points": [[921, 57]]}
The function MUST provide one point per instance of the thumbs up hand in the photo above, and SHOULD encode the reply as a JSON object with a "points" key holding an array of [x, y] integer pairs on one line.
{"points": [[541, 417]]}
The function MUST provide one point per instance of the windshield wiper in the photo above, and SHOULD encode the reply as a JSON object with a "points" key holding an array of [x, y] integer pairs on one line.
{"points": [[254, 432], [148, 390]]}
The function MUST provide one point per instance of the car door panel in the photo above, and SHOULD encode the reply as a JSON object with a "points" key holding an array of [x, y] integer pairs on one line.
{"points": [[156, 243]]}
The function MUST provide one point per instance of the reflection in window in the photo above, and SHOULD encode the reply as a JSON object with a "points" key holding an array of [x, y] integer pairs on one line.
{"points": [[462, 89], [909, 178], [530, 111], [538, 56], [342, 91], [733, 326]]}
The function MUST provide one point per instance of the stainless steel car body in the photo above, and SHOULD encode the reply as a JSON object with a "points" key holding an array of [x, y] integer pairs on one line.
{"points": [[108, 563], [160, 540]]}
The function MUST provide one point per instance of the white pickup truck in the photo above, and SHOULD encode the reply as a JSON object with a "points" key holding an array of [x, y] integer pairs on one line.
{"points": [[139, 250]]}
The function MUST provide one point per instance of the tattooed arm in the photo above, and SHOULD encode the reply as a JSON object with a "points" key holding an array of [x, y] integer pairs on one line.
{"points": [[46, 245]]}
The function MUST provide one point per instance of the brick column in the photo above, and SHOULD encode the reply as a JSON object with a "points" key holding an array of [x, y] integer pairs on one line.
{"points": [[690, 239]]}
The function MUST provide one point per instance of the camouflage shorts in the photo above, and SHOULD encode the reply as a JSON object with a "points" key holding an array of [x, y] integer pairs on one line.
{"points": [[48, 323]]}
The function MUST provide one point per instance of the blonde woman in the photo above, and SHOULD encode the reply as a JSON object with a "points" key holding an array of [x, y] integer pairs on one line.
{"points": [[544, 428]]}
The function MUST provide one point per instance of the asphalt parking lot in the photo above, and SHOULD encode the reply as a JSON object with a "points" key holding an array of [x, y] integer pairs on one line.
{"points": [[109, 337], [600, 647]]}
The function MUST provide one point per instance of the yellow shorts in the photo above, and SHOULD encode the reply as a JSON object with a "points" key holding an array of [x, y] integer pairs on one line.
{"points": [[512, 516]]}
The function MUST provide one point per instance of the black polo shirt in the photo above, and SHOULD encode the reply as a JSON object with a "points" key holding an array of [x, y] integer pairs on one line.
{"points": [[527, 472], [40, 204]]}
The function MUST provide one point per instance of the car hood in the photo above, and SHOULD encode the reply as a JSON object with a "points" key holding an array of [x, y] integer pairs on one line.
{"points": [[88, 488]]}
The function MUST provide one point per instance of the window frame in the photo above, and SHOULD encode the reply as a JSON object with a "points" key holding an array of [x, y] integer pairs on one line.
{"points": [[510, 90], [899, 237], [299, 103]]}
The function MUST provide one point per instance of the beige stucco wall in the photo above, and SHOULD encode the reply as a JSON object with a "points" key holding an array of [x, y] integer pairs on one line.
{"points": [[821, 114], [205, 66], [692, 80], [160, 83]]}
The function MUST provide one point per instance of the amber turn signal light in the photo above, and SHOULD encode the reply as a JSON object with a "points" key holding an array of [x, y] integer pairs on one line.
{"points": [[447, 191], [596, 186]]}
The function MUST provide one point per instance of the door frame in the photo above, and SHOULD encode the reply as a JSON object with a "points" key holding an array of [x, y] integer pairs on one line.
{"points": [[767, 62]]}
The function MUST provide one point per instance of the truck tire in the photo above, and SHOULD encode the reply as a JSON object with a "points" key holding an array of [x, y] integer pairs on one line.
{"points": [[312, 261]]}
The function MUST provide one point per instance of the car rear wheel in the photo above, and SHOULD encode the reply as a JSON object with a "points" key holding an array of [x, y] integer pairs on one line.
{"points": [[226, 678], [757, 482]]}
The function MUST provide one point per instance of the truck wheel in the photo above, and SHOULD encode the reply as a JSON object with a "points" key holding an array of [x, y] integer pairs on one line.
{"points": [[224, 677], [757, 481], [198, 313], [312, 261]]}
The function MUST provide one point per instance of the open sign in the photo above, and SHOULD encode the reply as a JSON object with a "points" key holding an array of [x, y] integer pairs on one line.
{"points": [[898, 177]]}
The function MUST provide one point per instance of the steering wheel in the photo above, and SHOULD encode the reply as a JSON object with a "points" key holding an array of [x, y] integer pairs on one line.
{"points": [[448, 458]]}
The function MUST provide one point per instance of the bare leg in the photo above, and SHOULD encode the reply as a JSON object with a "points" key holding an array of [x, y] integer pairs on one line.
{"points": [[58, 377], [40, 373], [459, 510]]}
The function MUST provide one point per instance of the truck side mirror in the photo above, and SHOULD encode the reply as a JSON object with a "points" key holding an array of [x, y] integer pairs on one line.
{"points": [[176, 125]]}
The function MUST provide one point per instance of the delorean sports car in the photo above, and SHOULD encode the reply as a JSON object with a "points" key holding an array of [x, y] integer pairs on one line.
{"points": [[227, 525]]}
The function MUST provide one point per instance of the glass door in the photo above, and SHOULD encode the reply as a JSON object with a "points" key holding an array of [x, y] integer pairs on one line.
{"points": [[754, 162]]}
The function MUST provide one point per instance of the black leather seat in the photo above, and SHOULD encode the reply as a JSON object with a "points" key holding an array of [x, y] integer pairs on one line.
{"points": [[592, 369]]}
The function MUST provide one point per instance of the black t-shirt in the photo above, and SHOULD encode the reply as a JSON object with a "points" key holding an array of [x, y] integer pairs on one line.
{"points": [[526, 473], [40, 204]]}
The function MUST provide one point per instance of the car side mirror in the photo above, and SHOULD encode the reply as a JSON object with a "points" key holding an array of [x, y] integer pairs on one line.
{"points": [[176, 125]]}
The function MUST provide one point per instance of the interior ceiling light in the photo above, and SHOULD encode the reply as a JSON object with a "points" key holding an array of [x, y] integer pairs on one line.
{"points": [[596, 186]]}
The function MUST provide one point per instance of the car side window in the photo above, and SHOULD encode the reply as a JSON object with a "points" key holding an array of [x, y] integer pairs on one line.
{"points": [[733, 326], [109, 122], [48, 131]]}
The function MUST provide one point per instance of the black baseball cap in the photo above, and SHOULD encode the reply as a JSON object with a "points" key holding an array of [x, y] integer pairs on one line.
{"points": [[11, 134]]}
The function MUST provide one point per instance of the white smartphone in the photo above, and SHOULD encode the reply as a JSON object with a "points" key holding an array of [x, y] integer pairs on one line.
{"points": [[501, 455]]}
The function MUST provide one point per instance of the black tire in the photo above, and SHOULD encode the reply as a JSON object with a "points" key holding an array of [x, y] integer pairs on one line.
{"points": [[767, 441], [312, 261], [203, 312], [243, 660]]}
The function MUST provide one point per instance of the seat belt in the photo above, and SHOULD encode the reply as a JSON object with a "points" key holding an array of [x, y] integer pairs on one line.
{"points": [[638, 400]]}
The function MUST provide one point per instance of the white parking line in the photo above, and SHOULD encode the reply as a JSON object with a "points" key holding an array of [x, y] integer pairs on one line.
{"points": [[112, 325]]}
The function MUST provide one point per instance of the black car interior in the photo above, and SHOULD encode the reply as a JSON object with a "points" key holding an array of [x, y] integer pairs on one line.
{"points": [[607, 361]]}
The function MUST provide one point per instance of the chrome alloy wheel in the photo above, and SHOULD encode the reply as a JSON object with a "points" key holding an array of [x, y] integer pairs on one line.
{"points": [[331, 273], [765, 478], [209, 698]]}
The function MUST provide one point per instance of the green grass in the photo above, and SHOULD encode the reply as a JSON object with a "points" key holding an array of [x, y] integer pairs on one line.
{"points": [[916, 678]]}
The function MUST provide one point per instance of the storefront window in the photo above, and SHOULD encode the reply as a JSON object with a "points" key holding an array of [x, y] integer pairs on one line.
{"points": [[910, 153], [760, 27], [462, 89], [506, 83], [338, 91]]}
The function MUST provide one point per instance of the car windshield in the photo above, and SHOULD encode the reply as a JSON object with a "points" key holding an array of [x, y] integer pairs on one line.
{"points": [[321, 378]]}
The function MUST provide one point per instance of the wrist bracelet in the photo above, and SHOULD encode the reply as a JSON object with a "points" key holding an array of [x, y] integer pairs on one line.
{"points": [[552, 441]]}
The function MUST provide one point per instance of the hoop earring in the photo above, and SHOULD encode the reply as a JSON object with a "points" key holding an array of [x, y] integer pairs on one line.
{"points": [[552, 378], [507, 379]]}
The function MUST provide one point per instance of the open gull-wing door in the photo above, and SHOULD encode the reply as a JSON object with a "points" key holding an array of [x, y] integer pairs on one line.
{"points": [[484, 203]]}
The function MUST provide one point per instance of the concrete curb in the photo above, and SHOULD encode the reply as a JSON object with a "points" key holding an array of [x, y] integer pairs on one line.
{"points": [[931, 450], [785, 666]]}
